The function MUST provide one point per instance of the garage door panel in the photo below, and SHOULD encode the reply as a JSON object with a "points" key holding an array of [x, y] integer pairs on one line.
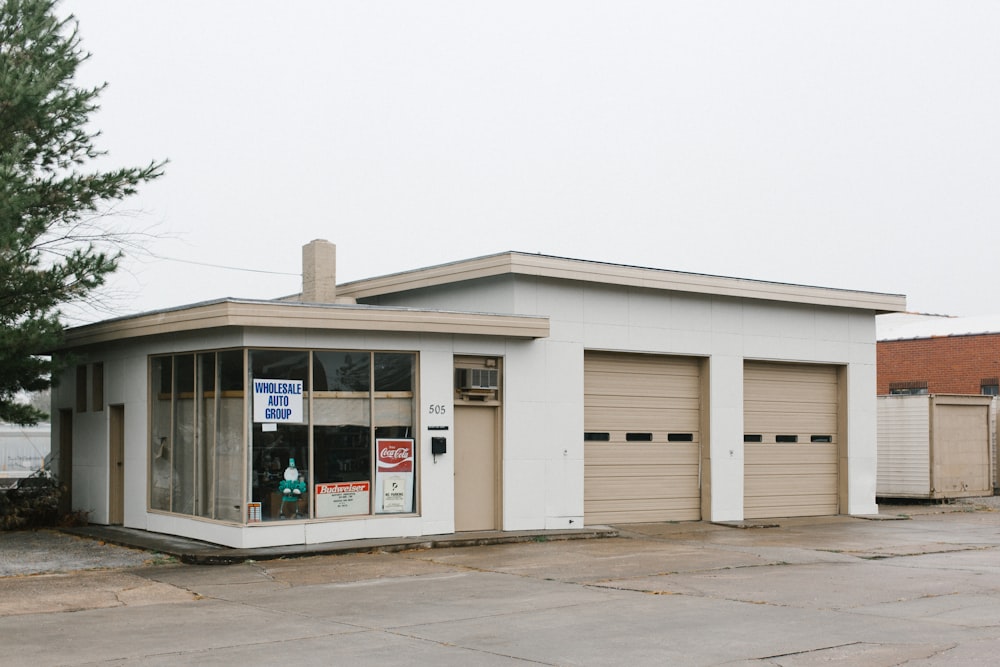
{"points": [[794, 455], [627, 482], [792, 372], [640, 385], [650, 489], [784, 506], [644, 402], [605, 420], [664, 505], [790, 407], [790, 420], [617, 363], [624, 512], [638, 455], [795, 485], [818, 391]]}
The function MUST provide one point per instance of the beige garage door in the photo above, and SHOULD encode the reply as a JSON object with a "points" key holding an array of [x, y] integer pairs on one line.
{"points": [[790, 451], [641, 438]]}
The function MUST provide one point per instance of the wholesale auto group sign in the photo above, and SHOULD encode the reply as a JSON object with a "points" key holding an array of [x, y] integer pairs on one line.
{"points": [[277, 401]]}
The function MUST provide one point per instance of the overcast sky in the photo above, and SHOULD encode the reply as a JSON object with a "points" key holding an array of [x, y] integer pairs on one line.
{"points": [[840, 144]]}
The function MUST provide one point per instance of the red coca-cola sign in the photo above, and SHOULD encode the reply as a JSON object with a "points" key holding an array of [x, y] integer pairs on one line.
{"points": [[395, 456]]}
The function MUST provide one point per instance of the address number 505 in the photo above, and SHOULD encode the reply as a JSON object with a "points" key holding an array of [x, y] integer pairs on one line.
{"points": [[437, 409]]}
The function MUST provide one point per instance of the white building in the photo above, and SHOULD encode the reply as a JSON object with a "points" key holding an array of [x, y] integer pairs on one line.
{"points": [[507, 392]]}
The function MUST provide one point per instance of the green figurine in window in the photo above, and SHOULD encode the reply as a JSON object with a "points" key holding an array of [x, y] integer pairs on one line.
{"points": [[291, 488]]}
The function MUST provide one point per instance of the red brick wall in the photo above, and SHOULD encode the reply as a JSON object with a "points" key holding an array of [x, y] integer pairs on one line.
{"points": [[949, 364]]}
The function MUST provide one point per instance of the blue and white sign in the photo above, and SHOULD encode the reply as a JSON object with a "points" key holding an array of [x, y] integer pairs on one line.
{"points": [[277, 401]]}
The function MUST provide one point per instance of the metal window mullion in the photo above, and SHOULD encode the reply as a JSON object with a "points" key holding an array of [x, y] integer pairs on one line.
{"points": [[173, 431], [372, 446], [196, 411], [216, 421], [309, 439], [247, 435]]}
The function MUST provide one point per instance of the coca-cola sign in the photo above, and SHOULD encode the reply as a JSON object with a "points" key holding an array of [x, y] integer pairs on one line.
{"points": [[395, 455]]}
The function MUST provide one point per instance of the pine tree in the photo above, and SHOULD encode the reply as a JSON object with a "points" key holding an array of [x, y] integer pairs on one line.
{"points": [[54, 249]]}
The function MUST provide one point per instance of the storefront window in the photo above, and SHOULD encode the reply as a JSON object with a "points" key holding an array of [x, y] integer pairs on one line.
{"points": [[342, 447], [220, 435], [161, 431], [280, 452], [394, 443], [363, 444], [330, 434], [196, 434], [183, 462]]}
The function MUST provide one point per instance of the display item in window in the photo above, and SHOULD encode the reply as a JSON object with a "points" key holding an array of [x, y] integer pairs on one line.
{"points": [[291, 488]]}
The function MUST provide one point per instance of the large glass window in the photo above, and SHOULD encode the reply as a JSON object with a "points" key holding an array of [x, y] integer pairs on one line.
{"points": [[183, 462], [394, 445], [280, 473], [324, 434], [342, 445], [220, 441], [196, 434], [161, 431]]}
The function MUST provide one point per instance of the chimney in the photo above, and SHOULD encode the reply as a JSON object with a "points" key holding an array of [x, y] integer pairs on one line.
{"points": [[319, 272]]}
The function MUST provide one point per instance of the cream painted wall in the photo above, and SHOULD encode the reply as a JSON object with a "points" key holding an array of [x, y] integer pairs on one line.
{"points": [[543, 449], [125, 382], [543, 466]]}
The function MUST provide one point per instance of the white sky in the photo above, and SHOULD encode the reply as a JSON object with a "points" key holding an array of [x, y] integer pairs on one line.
{"points": [[841, 144]]}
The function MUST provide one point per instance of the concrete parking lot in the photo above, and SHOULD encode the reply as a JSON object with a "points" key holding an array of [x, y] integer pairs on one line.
{"points": [[919, 585]]}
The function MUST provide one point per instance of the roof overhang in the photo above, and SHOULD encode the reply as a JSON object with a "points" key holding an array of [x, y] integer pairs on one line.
{"points": [[285, 315], [617, 274]]}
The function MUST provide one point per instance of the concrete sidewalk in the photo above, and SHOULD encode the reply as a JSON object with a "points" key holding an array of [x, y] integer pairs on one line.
{"points": [[96, 546], [195, 552]]}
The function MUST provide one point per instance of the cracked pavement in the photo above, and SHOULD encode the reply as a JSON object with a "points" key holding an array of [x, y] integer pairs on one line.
{"points": [[809, 591]]}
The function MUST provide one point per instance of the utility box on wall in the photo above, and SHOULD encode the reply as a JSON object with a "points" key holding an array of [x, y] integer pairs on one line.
{"points": [[935, 446]]}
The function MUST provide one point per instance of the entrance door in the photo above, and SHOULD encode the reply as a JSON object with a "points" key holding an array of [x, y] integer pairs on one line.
{"points": [[475, 468], [116, 476]]}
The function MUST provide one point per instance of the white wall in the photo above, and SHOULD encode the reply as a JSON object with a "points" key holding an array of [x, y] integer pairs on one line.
{"points": [[543, 402], [125, 383], [543, 411]]}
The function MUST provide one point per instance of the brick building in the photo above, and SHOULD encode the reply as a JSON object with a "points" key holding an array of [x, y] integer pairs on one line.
{"points": [[933, 354]]}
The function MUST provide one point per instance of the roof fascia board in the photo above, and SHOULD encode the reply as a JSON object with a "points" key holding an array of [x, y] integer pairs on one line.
{"points": [[284, 316], [626, 276]]}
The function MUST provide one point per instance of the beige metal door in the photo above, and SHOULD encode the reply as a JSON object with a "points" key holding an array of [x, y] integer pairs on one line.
{"points": [[790, 418], [476, 468], [641, 438], [116, 477], [961, 444]]}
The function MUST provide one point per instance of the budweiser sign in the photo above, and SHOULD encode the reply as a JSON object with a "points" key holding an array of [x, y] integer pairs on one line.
{"points": [[395, 456]]}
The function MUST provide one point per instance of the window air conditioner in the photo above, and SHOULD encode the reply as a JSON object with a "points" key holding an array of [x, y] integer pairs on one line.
{"points": [[477, 378]]}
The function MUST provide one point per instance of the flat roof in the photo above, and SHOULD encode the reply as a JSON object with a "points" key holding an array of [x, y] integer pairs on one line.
{"points": [[231, 312], [910, 326], [519, 263]]}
